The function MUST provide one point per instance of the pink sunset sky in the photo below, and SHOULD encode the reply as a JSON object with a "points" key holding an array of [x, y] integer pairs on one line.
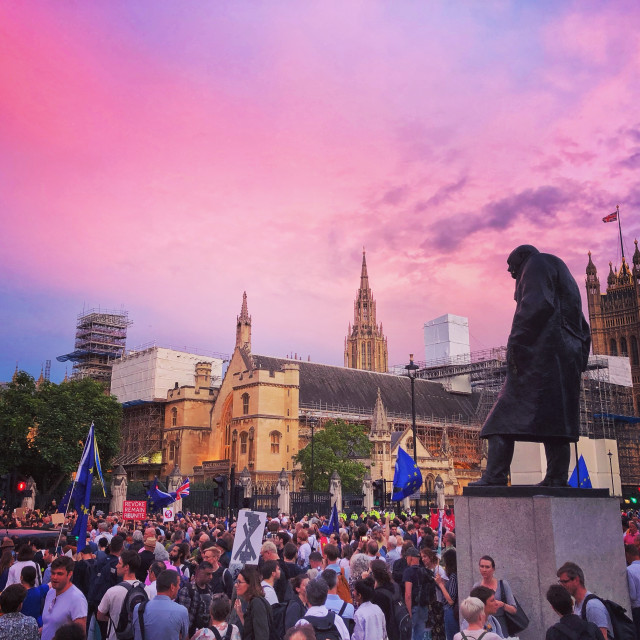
{"points": [[167, 156]]}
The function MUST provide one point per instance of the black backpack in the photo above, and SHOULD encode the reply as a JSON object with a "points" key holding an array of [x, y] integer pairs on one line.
{"points": [[623, 627], [103, 576], [426, 588], [324, 627], [135, 595], [279, 612], [399, 627], [588, 631], [227, 634]]}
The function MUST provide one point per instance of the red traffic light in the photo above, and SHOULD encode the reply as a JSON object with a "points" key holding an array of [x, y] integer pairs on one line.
{"points": [[22, 486]]}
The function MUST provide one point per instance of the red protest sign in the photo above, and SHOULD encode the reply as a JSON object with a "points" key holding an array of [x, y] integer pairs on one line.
{"points": [[134, 510]]}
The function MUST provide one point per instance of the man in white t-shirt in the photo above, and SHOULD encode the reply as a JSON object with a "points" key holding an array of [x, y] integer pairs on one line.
{"points": [[112, 601], [64, 602], [270, 573]]}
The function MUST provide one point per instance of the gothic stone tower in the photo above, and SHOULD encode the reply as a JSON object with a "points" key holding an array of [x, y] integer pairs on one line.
{"points": [[615, 316], [365, 346]]}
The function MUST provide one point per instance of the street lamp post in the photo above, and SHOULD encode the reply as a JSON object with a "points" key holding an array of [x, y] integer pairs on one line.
{"points": [[412, 369], [613, 489], [312, 478]]}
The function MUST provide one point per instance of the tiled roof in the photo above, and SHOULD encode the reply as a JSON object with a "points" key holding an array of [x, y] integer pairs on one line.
{"points": [[357, 388]]}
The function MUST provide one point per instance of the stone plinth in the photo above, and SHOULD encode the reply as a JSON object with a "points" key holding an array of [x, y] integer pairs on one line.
{"points": [[530, 537]]}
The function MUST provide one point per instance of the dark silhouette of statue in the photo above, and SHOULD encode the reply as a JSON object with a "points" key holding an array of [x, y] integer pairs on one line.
{"points": [[547, 351]]}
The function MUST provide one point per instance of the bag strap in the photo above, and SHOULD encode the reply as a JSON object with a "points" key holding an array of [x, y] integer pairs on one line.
{"points": [[216, 633], [141, 608], [344, 606], [583, 611], [227, 636], [501, 587]]}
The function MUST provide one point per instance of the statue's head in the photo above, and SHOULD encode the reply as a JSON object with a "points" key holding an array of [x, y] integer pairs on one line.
{"points": [[518, 257]]}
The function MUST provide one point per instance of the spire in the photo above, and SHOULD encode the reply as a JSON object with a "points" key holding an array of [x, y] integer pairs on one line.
{"points": [[40, 380], [66, 375], [611, 278], [636, 255], [15, 374], [364, 276], [244, 313], [243, 326], [379, 424], [591, 268], [445, 445]]}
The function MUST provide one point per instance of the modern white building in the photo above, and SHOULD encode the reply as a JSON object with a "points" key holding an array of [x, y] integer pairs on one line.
{"points": [[147, 374]]}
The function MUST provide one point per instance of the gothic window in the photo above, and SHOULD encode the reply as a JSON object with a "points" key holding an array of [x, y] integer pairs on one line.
{"points": [[634, 351], [245, 404], [174, 417], [410, 443], [430, 484], [172, 450], [613, 348], [243, 443], [251, 449], [623, 347], [234, 445], [275, 442], [226, 422]]}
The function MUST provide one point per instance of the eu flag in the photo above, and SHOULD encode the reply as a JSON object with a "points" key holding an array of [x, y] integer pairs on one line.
{"points": [[159, 499], [332, 526], [585, 480], [81, 496], [407, 478]]}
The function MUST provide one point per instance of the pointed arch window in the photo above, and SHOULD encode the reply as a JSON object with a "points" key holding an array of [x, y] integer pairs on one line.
{"points": [[410, 444], [613, 347], [623, 347], [245, 404], [244, 436], [275, 441], [174, 417], [234, 445], [634, 351]]}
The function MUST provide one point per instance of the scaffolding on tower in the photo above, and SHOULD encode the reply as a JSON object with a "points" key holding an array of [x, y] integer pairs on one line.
{"points": [[101, 336]]}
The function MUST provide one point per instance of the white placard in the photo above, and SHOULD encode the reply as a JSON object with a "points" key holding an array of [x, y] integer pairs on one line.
{"points": [[249, 532], [167, 514]]}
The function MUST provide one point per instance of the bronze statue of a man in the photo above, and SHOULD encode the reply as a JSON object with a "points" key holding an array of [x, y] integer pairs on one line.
{"points": [[547, 351]]}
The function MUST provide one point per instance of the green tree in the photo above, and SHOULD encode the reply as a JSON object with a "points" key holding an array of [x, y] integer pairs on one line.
{"points": [[339, 446], [49, 426]]}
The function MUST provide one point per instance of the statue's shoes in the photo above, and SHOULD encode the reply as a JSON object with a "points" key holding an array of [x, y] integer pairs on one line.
{"points": [[553, 483], [484, 482]]}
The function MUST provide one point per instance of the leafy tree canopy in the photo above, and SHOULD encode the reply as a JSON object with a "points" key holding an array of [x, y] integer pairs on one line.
{"points": [[47, 426], [339, 446]]}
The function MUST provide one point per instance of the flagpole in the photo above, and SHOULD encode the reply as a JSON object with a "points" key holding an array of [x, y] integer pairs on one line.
{"points": [[575, 444], [67, 511], [620, 229]]}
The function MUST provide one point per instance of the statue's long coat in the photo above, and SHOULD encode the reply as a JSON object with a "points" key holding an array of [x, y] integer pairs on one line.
{"points": [[547, 350]]}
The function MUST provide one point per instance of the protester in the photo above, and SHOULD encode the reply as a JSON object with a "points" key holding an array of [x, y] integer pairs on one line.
{"points": [[257, 620], [162, 619], [632, 555], [64, 602], [111, 604], [491, 607], [6, 561], [416, 592], [34, 601], [504, 596], [571, 577], [472, 610], [298, 605], [570, 625], [15, 625], [196, 597], [318, 615], [219, 627], [270, 573], [449, 590], [24, 558], [154, 571]]}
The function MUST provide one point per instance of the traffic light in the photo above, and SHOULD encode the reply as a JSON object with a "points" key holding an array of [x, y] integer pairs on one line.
{"points": [[378, 494], [220, 492]]}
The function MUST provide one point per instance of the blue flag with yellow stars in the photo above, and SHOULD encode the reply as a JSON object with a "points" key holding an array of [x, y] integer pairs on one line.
{"points": [[585, 480], [407, 478], [158, 500]]}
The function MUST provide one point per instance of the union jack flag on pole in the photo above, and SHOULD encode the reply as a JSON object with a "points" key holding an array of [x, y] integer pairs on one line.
{"points": [[612, 217], [182, 490]]}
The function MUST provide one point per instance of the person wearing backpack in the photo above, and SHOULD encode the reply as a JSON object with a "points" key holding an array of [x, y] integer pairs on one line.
{"points": [[335, 603], [419, 586], [370, 623], [326, 624], [115, 610], [570, 626], [472, 611], [219, 628], [571, 577], [257, 620], [103, 576], [196, 597]]}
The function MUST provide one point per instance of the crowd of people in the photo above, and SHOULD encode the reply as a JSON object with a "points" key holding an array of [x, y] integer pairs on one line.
{"points": [[377, 578]]}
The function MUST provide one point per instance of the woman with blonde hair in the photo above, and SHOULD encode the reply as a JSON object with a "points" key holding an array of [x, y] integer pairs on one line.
{"points": [[472, 610]]}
